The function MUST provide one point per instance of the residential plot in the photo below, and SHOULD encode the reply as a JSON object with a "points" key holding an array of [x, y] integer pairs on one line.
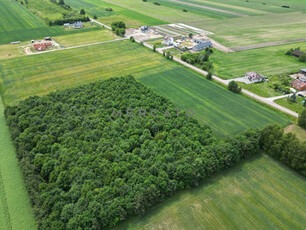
{"points": [[266, 61], [257, 194], [224, 111]]}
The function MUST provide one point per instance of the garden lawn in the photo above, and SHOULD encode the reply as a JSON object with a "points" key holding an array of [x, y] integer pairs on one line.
{"points": [[294, 106], [224, 111], [15, 209], [267, 61], [258, 193]]}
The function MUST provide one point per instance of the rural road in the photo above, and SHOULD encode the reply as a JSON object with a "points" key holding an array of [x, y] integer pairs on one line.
{"points": [[93, 20], [209, 8]]}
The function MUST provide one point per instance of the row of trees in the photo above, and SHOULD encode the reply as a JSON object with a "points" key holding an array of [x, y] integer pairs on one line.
{"points": [[284, 147], [200, 59], [85, 169]]}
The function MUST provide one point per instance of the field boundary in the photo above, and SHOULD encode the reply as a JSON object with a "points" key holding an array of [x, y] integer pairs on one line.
{"points": [[4, 202]]}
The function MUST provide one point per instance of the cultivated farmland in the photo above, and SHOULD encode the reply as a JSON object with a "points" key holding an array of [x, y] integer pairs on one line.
{"points": [[267, 61], [257, 194], [224, 111], [15, 210]]}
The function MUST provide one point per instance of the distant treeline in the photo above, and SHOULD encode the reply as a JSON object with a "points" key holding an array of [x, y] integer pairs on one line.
{"points": [[87, 169], [67, 20]]}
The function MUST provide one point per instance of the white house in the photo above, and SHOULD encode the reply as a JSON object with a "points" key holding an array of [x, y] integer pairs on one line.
{"points": [[254, 77]]}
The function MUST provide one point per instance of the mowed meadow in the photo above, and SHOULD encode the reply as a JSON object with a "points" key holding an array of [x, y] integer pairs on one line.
{"points": [[225, 112], [258, 193]]}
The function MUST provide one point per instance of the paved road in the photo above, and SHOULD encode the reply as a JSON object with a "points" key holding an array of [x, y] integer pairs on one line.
{"points": [[225, 82], [210, 8], [267, 44]]}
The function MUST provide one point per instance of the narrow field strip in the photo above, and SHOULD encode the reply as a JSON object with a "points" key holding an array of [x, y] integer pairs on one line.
{"points": [[15, 209]]}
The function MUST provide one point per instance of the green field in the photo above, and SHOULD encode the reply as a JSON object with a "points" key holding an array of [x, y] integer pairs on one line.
{"points": [[267, 61], [85, 38], [225, 112], [297, 130], [255, 6], [243, 31], [256, 194], [15, 209], [294, 106]]}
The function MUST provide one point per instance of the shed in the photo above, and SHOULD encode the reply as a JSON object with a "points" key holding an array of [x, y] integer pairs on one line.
{"points": [[303, 71]]}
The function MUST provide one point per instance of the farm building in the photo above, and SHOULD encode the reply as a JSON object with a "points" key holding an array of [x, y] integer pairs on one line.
{"points": [[303, 71], [47, 38], [145, 29], [42, 46], [201, 44], [14, 43], [254, 77], [66, 25], [77, 25], [169, 41], [298, 53], [299, 84]]}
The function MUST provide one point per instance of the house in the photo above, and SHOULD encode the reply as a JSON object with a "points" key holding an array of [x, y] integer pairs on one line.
{"points": [[77, 25], [145, 29], [66, 25], [298, 53], [42, 46], [254, 77], [14, 43], [169, 41], [201, 44], [303, 71], [299, 84], [47, 38]]}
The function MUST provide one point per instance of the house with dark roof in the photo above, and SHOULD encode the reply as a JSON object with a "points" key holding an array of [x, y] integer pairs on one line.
{"points": [[298, 53], [303, 71], [254, 77], [77, 25], [201, 44]]}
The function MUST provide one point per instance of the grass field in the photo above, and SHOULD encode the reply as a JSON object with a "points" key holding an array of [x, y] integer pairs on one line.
{"points": [[297, 130], [224, 111], [85, 38], [294, 106], [267, 61], [130, 17], [256, 194], [255, 6], [15, 209], [243, 31]]}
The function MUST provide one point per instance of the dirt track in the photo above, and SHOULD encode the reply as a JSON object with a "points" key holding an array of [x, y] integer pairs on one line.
{"points": [[266, 44]]}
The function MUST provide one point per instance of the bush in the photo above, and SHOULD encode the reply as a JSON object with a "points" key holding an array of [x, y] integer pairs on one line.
{"points": [[95, 17], [132, 39], [157, 3], [108, 9], [302, 58], [234, 87], [302, 119], [184, 10], [82, 12]]}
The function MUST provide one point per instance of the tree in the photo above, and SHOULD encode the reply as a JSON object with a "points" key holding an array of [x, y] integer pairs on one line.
{"points": [[95, 17], [168, 54], [209, 75], [154, 48], [302, 119], [190, 35], [234, 87], [82, 12], [132, 39], [61, 2]]}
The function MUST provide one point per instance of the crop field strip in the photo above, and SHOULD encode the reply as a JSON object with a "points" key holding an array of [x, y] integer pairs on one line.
{"points": [[15, 208], [266, 61], [257, 194], [224, 111], [242, 31]]}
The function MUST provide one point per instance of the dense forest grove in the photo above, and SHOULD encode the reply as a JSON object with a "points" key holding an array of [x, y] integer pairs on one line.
{"points": [[87, 169]]}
